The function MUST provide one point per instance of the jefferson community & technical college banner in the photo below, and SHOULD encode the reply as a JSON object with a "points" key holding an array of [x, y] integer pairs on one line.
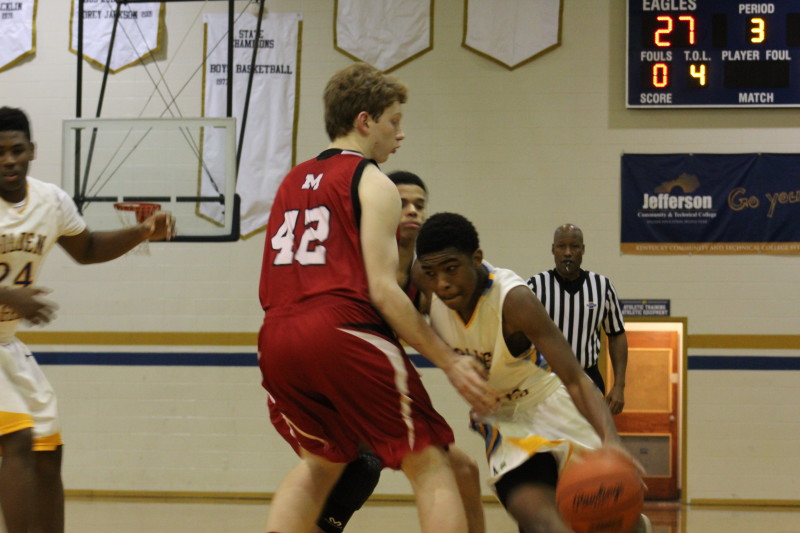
{"points": [[268, 146], [711, 204]]}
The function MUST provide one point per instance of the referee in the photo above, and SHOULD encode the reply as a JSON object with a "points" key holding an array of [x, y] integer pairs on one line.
{"points": [[580, 303]]}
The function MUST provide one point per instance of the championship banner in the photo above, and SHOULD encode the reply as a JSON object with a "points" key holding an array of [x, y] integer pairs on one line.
{"points": [[268, 148], [385, 34], [17, 31], [512, 32], [677, 204], [137, 32]]}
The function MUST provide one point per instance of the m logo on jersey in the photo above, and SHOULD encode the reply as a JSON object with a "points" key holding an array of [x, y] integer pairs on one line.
{"points": [[312, 181]]}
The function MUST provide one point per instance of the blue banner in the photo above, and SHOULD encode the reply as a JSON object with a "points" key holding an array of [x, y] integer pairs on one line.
{"points": [[711, 204]]}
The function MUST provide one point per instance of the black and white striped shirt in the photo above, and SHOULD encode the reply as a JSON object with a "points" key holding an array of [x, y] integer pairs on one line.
{"points": [[579, 308]]}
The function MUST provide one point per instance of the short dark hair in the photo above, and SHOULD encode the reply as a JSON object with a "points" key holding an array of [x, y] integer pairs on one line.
{"points": [[14, 119], [404, 177], [447, 230], [359, 87]]}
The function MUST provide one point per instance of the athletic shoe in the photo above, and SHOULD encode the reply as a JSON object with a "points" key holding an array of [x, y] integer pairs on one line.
{"points": [[644, 525]]}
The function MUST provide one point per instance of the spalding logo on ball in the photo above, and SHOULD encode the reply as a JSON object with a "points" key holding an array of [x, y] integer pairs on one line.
{"points": [[600, 492]]}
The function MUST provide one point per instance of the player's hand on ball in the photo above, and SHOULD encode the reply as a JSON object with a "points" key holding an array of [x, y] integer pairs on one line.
{"points": [[618, 448]]}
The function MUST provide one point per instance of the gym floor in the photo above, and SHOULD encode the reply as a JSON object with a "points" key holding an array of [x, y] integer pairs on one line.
{"points": [[199, 516]]}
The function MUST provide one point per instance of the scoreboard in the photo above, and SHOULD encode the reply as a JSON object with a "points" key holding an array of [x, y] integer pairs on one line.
{"points": [[713, 53]]}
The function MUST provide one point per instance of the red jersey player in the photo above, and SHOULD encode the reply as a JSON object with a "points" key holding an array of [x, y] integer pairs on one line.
{"points": [[337, 378]]}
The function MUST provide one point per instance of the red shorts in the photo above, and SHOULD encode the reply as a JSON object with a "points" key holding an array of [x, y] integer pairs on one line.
{"points": [[338, 379]]}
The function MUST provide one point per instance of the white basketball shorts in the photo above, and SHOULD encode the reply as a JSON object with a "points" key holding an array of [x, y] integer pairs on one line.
{"points": [[27, 400]]}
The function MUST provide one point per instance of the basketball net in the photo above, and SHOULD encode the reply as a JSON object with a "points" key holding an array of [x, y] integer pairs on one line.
{"points": [[133, 213]]}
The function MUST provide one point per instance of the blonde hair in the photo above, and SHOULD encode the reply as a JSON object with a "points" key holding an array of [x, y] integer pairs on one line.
{"points": [[359, 87]]}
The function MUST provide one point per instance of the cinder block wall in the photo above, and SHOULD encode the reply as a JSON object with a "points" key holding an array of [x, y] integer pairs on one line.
{"points": [[518, 152]]}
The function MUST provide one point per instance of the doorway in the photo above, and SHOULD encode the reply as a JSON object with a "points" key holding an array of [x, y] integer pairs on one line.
{"points": [[652, 423]]}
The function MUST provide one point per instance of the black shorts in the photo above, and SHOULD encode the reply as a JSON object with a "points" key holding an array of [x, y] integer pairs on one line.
{"points": [[541, 469]]}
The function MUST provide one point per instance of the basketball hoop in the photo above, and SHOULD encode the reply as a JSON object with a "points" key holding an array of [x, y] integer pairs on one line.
{"points": [[132, 213]]}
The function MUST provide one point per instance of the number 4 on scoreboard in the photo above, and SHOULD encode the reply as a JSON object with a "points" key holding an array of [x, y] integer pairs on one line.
{"points": [[698, 74]]}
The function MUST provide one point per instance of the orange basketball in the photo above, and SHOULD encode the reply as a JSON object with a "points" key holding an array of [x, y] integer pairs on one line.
{"points": [[600, 492]]}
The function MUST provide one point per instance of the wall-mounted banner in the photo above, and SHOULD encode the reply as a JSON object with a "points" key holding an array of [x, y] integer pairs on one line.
{"points": [[385, 34], [268, 147], [512, 32], [711, 204], [137, 32], [17, 31]]}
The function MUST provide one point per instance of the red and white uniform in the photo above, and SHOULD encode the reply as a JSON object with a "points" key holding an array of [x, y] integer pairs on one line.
{"points": [[27, 233], [336, 375]]}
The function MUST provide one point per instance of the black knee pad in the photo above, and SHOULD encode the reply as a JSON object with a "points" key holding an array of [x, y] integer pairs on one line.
{"points": [[351, 491]]}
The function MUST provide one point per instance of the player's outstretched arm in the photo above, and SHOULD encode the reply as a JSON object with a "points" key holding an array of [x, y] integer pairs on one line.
{"points": [[99, 246], [380, 211]]}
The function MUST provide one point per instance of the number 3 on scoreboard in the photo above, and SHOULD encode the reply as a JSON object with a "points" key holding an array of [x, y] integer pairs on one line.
{"points": [[310, 251]]}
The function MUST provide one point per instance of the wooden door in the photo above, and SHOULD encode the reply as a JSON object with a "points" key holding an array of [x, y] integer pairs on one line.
{"points": [[649, 424]]}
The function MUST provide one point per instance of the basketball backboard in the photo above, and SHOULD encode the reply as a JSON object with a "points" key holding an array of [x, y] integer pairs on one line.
{"points": [[187, 165]]}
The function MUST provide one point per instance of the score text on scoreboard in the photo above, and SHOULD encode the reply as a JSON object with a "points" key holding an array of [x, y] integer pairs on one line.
{"points": [[713, 53]]}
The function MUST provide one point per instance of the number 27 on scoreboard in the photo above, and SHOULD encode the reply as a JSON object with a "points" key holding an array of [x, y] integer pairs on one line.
{"points": [[713, 53]]}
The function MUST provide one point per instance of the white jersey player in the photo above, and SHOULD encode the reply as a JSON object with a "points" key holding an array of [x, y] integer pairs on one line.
{"points": [[535, 401], [491, 315], [34, 216]]}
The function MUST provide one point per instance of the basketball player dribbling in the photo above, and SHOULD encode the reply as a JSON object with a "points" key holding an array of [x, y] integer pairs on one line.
{"points": [[544, 417], [332, 304]]}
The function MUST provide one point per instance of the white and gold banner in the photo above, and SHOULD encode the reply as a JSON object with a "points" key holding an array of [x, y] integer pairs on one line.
{"points": [[512, 32], [268, 147], [385, 34], [137, 32], [17, 31]]}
